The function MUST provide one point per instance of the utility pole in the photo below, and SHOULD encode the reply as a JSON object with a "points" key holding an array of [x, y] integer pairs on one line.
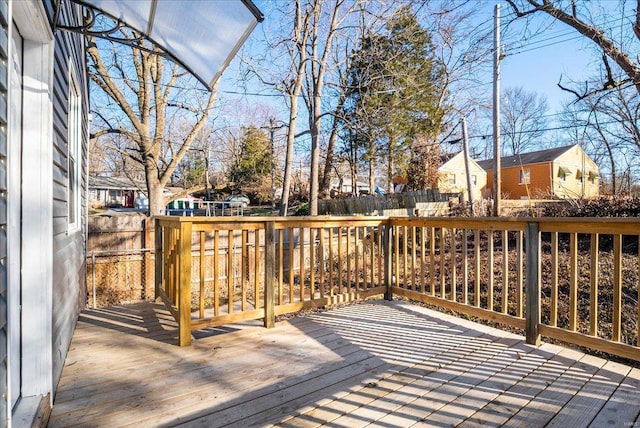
{"points": [[273, 167], [467, 167], [497, 174]]}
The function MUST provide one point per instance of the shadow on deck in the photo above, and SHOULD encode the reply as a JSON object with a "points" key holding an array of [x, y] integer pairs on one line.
{"points": [[384, 364]]}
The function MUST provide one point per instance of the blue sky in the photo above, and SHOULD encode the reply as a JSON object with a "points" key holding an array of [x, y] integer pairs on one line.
{"points": [[535, 59]]}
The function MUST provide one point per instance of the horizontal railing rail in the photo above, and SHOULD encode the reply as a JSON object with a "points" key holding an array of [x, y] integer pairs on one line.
{"points": [[574, 280]]}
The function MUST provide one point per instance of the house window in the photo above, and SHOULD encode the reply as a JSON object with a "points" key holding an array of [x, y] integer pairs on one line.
{"points": [[452, 179], [525, 176], [474, 180], [73, 149], [563, 172]]}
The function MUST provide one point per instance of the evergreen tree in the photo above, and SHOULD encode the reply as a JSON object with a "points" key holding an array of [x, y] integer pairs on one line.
{"points": [[393, 95], [252, 170]]}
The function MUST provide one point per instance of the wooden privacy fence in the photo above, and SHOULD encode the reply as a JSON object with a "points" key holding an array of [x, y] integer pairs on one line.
{"points": [[570, 279]]}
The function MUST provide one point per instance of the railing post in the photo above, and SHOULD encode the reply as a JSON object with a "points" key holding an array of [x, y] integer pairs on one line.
{"points": [[269, 274], [159, 259], [184, 283], [532, 313], [388, 239]]}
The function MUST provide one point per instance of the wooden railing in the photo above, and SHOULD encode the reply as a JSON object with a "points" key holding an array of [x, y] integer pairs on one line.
{"points": [[211, 272], [575, 280]]}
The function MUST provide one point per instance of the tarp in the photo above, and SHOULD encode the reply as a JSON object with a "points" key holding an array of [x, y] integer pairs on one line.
{"points": [[202, 35]]}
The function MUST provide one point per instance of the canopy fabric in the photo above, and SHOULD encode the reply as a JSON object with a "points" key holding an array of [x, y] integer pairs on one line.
{"points": [[203, 36]]}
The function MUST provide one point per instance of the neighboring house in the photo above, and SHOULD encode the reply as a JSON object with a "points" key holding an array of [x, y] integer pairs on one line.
{"points": [[115, 192], [452, 177], [563, 172], [345, 187], [43, 171]]}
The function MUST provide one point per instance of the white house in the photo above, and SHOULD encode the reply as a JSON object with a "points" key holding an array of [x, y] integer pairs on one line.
{"points": [[452, 177]]}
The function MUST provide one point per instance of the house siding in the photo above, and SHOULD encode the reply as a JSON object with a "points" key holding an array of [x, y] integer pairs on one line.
{"points": [[578, 163], [69, 245], [3, 212], [456, 167], [539, 186]]}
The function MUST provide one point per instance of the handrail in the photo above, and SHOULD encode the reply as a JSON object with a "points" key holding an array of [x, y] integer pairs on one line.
{"points": [[528, 273]]}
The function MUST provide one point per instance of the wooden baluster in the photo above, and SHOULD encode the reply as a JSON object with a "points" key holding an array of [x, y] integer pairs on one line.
{"points": [[443, 276], [593, 300], [256, 264], [312, 262], [476, 262], [519, 276], [340, 268], [321, 267], [281, 266], [301, 267], [454, 270], [348, 253], [573, 282], [244, 268], [465, 267], [553, 316], [405, 256], [291, 266], [491, 276], [414, 252], [432, 261], [202, 270], [230, 275], [216, 272], [505, 271], [423, 246], [330, 230], [356, 261], [617, 288]]}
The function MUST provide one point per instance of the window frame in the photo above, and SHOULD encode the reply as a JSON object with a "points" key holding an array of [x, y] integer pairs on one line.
{"points": [[74, 150], [524, 176]]}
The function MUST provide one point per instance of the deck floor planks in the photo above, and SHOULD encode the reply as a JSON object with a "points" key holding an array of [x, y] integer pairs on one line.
{"points": [[444, 350], [585, 405], [396, 399], [387, 364], [623, 407], [199, 380], [571, 376]]}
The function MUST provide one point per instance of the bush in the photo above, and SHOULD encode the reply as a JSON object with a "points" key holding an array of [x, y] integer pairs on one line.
{"points": [[605, 206]]}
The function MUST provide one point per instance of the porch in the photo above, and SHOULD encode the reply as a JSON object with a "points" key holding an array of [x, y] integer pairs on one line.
{"points": [[383, 362], [380, 363]]}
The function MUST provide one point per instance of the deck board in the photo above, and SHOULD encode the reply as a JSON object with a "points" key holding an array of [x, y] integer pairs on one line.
{"points": [[382, 364]]}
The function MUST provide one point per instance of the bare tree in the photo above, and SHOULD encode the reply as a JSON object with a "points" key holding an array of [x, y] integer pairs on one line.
{"points": [[617, 48], [145, 99], [523, 119]]}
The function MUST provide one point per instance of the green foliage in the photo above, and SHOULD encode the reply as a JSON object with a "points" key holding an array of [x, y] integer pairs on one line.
{"points": [[196, 172], [251, 171], [393, 93]]}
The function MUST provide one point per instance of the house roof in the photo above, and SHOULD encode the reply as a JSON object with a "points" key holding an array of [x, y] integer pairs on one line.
{"points": [[526, 158], [447, 159], [119, 183]]}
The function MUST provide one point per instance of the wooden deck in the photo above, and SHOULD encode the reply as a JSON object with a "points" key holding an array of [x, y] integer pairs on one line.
{"points": [[382, 364]]}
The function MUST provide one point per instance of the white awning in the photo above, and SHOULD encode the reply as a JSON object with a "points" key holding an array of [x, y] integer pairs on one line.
{"points": [[202, 35]]}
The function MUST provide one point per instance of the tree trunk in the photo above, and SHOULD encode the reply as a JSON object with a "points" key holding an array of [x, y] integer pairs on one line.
{"points": [[155, 192]]}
